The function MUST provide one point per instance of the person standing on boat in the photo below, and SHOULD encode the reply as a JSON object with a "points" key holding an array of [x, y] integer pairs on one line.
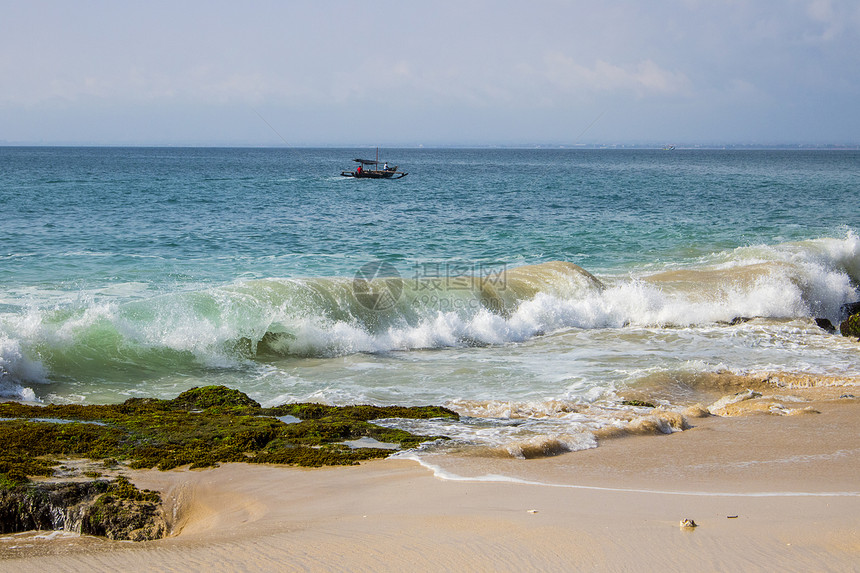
{"points": [[358, 170], [385, 167]]}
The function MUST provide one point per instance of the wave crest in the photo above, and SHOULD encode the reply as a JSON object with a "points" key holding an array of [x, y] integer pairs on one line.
{"points": [[273, 318]]}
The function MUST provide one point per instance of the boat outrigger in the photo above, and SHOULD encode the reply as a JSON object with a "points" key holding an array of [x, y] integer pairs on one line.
{"points": [[369, 169]]}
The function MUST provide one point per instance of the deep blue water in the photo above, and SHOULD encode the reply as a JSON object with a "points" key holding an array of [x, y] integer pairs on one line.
{"points": [[82, 217]]}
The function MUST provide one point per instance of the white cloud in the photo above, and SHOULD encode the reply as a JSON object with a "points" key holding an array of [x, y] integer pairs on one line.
{"points": [[643, 79], [535, 66], [822, 12]]}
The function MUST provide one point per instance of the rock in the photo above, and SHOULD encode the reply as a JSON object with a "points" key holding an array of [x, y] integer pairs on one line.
{"points": [[116, 510], [851, 326], [637, 403], [212, 396], [825, 324], [688, 524], [46, 506], [128, 519], [201, 427]]}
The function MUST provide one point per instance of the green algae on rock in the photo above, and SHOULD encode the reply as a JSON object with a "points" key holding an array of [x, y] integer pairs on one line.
{"points": [[209, 396], [113, 509], [200, 427], [851, 326], [637, 403], [125, 512]]}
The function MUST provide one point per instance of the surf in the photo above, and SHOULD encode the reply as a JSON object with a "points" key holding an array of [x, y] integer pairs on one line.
{"points": [[272, 319]]}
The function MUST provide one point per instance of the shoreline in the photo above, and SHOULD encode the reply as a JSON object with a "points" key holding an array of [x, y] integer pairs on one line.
{"points": [[789, 479]]}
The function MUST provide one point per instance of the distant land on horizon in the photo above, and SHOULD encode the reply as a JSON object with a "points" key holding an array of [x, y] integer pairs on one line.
{"points": [[245, 145]]}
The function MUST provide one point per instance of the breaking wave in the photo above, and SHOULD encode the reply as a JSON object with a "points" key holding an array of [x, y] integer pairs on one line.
{"points": [[16, 369], [299, 317]]}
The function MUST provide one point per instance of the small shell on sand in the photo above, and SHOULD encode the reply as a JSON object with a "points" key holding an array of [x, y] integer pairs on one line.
{"points": [[688, 524]]}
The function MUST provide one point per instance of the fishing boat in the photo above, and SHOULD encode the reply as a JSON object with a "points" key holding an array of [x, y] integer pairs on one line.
{"points": [[370, 169]]}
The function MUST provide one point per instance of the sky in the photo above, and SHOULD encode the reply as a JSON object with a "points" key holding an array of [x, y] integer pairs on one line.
{"points": [[409, 73]]}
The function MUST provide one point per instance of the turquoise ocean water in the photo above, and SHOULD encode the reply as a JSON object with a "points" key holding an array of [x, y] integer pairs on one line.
{"points": [[526, 289]]}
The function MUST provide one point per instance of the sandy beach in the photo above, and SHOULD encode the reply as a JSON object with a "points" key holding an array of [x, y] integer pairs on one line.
{"points": [[767, 492]]}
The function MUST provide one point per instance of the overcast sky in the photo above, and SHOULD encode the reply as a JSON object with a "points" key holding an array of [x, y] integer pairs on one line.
{"points": [[436, 72]]}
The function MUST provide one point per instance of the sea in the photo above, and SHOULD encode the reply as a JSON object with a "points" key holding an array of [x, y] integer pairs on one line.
{"points": [[530, 290]]}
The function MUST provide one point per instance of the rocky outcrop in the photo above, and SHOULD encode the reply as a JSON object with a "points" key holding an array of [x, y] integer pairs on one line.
{"points": [[201, 427], [851, 326], [116, 510], [825, 324], [46, 506], [848, 327], [125, 512]]}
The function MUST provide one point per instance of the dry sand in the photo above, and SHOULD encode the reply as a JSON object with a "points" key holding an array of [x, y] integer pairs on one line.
{"points": [[791, 481]]}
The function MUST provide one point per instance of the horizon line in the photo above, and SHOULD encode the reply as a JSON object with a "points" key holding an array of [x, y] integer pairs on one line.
{"points": [[643, 145]]}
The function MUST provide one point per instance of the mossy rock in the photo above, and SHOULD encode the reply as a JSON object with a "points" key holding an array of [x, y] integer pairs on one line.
{"points": [[121, 488], [309, 411], [125, 513], [637, 403], [210, 396], [116, 510], [851, 326], [201, 427], [125, 520], [47, 506]]}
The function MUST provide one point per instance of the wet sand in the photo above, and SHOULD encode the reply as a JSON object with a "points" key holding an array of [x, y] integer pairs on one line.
{"points": [[767, 491]]}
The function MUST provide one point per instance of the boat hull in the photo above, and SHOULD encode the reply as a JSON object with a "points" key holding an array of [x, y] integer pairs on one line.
{"points": [[374, 174]]}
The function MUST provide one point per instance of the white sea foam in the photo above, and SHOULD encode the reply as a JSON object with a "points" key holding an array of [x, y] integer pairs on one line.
{"points": [[227, 326], [16, 370], [535, 428], [788, 281]]}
